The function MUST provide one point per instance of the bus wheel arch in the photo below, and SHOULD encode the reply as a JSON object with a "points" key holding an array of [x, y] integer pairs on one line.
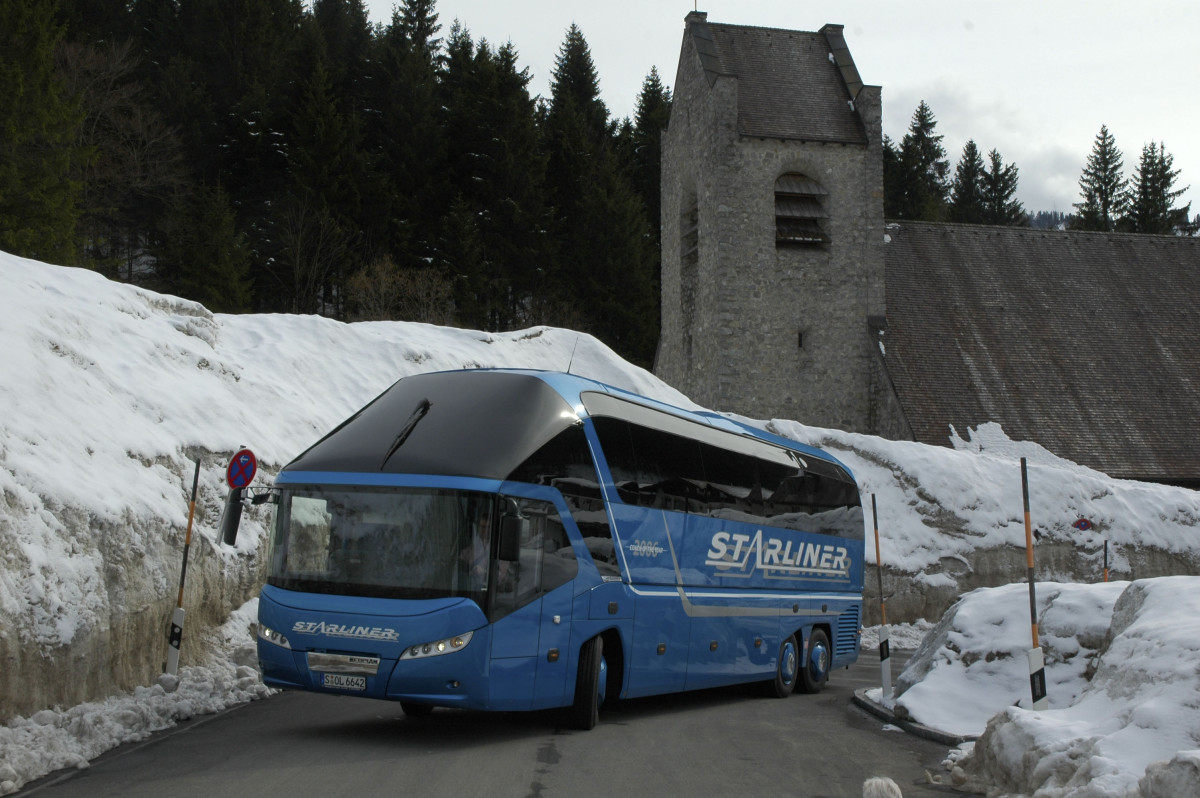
{"points": [[614, 660], [818, 657], [584, 712], [414, 710]]}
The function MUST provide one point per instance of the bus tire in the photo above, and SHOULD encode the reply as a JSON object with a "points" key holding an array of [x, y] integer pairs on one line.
{"points": [[785, 669], [416, 710], [584, 714], [815, 668]]}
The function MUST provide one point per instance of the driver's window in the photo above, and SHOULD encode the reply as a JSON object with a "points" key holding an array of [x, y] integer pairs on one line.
{"points": [[546, 559]]}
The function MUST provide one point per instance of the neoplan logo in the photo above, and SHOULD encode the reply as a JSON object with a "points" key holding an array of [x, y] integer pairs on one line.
{"points": [[776, 557]]}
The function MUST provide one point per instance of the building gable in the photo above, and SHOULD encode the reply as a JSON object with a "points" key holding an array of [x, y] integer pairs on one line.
{"points": [[790, 84]]}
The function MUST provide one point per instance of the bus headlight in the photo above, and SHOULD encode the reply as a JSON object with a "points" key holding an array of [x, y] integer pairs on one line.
{"points": [[271, 636], [438, 647]]}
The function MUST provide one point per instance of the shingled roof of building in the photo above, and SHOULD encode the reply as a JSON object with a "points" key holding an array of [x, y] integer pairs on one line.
{"points": [[1087, 343], [790, 84]]}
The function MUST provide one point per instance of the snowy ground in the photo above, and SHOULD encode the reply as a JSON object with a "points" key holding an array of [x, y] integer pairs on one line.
{"points": [[110, 391]]}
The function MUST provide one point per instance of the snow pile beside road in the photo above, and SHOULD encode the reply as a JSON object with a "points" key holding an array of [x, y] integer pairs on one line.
{"points": [[1123, 683], [53, 739], [1135, 728], [974, 662]]}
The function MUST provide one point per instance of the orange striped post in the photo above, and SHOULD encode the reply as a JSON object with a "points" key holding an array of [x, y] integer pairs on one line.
{"points": [[176, 636], [1037, 663], [885, 654]]}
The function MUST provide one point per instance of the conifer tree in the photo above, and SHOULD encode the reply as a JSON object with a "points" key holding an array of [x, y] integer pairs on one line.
{"points": [[39, 125], [138, 164], [1102, 188], [893, 180], [496, 170], [650, 120], [1000, 205], [600, 221], [1152, 194], [203, 257], [324, 192], [967, 192], [575, 133], [923, 169], [617, 288], [406, 134]]}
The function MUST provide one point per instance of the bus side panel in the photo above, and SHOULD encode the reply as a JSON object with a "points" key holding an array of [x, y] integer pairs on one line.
{"points": [[659, 653], [734, 639], [649, 540]]}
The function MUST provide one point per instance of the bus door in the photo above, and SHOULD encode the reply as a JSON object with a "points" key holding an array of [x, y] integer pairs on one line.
{"points": [[530, 602], [651, 540]]}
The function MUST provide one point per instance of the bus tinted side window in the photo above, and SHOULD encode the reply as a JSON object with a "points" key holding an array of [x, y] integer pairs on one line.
{"points": [[652, 468], [565, 462]]}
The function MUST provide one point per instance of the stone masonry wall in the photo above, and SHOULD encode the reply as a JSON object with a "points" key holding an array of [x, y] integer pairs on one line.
{"points": [[749, 327]]}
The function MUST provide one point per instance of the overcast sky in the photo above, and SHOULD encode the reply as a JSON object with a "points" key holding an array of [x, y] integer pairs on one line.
{"points": [[1034, 80]]}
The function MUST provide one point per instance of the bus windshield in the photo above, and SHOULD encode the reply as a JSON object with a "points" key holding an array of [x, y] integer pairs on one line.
{"points": [[403, 543]]}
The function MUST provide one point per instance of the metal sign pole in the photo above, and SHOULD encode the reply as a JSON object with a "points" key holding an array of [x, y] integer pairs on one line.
{"points": [[1037, 663], [885, 654], [176, 637]]}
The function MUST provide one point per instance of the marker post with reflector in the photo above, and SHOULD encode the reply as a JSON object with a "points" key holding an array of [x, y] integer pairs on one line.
{"points": [[176, 636], [1037, 663], [885, 653]]}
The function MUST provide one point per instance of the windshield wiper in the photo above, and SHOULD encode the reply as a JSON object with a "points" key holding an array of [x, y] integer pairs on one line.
{"points": [[418, 414]]}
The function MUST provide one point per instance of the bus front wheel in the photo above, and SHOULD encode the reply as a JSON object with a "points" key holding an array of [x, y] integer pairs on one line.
{"points": [[814, 671], [585, 712]]}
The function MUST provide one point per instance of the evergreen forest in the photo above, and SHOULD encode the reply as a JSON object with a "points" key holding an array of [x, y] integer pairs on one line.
{"points": [[282, 156], [292, 156]]}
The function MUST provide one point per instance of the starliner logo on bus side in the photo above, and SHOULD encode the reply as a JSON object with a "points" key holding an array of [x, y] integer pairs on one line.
{"points": [[775, 557], [645, 548], [344, 630]]}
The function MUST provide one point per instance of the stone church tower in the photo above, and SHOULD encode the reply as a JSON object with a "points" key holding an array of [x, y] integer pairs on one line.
{"points": [[772, 227]]}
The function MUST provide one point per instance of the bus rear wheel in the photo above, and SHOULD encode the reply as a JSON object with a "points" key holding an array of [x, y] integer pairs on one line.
{"points": [[584, 714], [785, 670], [814, 671]]}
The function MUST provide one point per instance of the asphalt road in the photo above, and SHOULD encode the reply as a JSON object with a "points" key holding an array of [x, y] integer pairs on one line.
{"points": [[726, 742]]}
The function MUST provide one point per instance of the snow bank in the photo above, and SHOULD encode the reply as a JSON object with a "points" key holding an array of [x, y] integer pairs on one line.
{"points": [[1141, 707], [1123, 685], [51, 740], [111, 393]]}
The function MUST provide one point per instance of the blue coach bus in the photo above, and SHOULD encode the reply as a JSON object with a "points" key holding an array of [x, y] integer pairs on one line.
{"points": [[523, 540]]}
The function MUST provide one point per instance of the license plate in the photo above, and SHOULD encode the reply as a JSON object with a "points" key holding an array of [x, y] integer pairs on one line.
{"points": [[340, 681]]}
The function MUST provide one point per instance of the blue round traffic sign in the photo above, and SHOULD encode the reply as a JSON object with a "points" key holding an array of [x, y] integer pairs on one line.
{"points": [[241, 469]]}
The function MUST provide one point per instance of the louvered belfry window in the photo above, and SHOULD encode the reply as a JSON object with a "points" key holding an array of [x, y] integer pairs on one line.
{"points": [[799, 210]]}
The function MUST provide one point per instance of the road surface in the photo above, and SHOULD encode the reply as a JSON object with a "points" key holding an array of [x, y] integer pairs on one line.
{"points": [[726, 742]]}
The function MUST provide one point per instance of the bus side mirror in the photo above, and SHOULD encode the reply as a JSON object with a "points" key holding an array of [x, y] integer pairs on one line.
{"points": [[511, 529], [232, 516]]}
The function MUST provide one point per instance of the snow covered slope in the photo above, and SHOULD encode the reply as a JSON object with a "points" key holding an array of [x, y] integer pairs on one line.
{"points": [[110, 393]]}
